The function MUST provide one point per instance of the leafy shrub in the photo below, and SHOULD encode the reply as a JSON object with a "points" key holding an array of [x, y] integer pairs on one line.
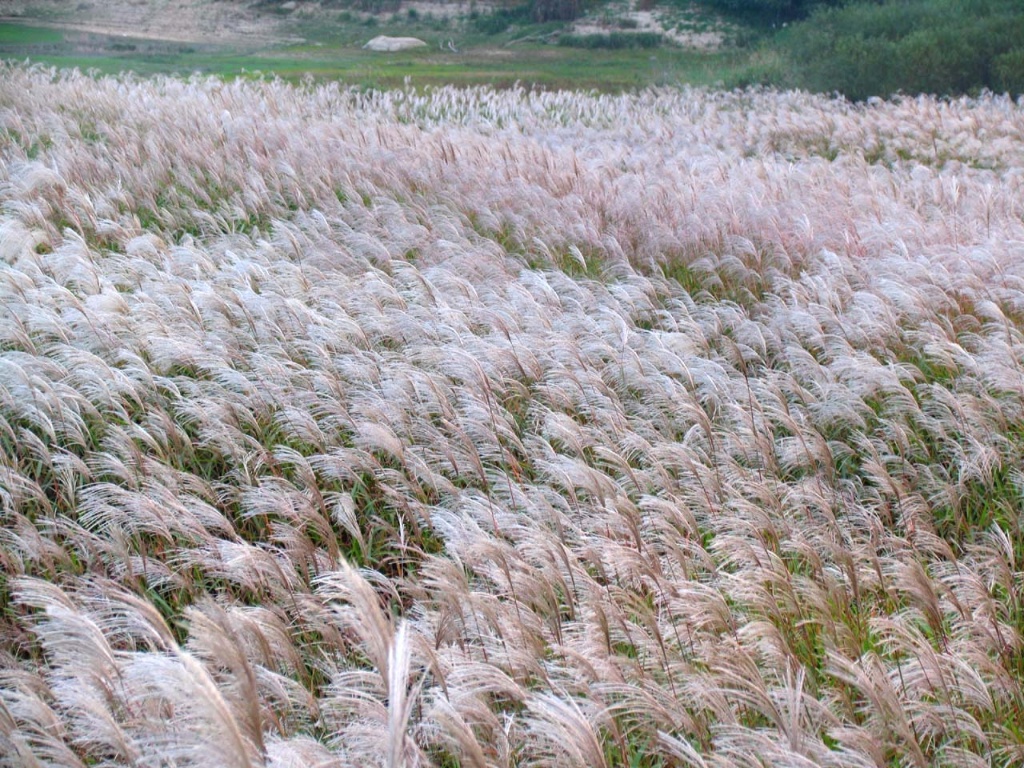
{"points": [[764, 68], [497, 22], [941, 61], [1008, 72]]}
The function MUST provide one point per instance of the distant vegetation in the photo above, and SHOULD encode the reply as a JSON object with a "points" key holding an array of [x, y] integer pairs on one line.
{"points": [[864, 49], [859, 48]]}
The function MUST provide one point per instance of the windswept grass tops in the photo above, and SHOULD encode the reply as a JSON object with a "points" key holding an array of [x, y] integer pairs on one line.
{"points": [[464, 427]]}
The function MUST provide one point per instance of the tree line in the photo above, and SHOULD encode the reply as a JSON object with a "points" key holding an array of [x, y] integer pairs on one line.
{"points": [[864, 49]]}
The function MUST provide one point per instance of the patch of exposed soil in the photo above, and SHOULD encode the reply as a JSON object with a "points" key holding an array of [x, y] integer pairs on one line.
{"points": [[187, 21], [202, 21], [627, 18]]}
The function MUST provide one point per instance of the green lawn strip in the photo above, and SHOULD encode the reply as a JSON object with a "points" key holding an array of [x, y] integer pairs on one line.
{"points": [[20, 34]]}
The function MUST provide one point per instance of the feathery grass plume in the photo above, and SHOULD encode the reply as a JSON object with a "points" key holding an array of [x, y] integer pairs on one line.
{"points": [[374, 707], [102, 685], [562, 732], [400, 699], [455, 734], [213, 639], [214, 733], [31, 732], [887, 720]]}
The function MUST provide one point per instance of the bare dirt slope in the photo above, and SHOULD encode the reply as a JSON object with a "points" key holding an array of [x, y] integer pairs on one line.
{"points": [[200, 21], [687, 28]]}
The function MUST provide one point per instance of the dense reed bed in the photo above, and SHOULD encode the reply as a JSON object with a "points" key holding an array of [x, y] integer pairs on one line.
{"points": [[504, 429]]}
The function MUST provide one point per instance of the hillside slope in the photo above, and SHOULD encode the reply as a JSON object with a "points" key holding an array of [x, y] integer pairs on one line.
{"points": [[210, 21]]}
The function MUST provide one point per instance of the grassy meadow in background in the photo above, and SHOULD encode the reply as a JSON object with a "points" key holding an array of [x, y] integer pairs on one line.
{"points": [[500, 49], [464, 427], [860, 49]]}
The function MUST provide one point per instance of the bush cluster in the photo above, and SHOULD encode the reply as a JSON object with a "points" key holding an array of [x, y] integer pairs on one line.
{"points": [[501, 19]]}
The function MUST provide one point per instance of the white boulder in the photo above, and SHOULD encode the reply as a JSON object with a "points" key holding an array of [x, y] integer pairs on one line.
{"points": [[385, 43]]}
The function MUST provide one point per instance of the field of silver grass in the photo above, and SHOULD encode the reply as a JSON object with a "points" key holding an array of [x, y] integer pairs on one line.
{"points": [[467, 428]]}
